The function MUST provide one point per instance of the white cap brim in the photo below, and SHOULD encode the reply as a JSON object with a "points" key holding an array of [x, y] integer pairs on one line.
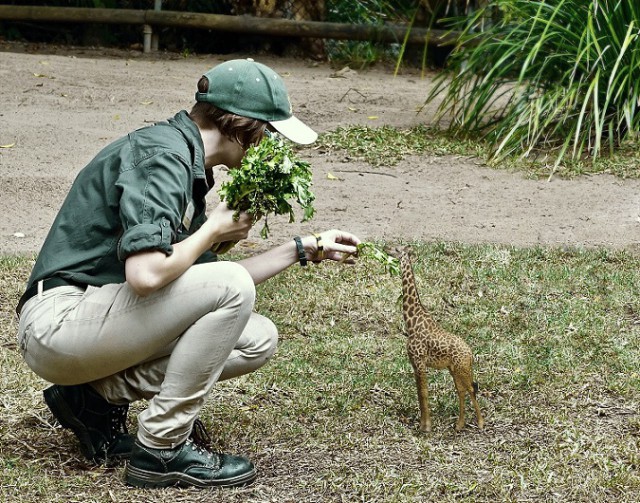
{"points": [[296, 130]]}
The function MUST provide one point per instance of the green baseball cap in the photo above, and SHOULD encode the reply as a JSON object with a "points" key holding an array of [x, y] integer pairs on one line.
{"points": [[245, 87]]}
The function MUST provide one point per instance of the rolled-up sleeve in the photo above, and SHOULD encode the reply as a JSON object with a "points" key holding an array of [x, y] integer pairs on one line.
{"points": [[153, 198]]}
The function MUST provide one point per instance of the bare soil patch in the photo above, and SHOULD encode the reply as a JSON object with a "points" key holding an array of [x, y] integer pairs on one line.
{"points": [[60, 106]]}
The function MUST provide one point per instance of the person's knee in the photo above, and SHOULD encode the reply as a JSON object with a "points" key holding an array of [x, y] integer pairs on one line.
{"points": [[269, 341], [234, 284], [256, 347], [264, 338], [242, 281]]}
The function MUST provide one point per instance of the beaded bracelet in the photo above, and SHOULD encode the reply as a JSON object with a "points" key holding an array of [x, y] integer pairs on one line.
{"points": [[320, 253]]}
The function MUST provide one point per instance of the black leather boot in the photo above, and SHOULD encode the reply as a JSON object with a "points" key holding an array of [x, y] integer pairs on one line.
{"points": [[191, 464], [99, 426]]}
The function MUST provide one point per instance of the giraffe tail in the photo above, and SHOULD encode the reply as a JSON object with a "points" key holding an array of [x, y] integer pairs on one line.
{"points": [[475, 387]]}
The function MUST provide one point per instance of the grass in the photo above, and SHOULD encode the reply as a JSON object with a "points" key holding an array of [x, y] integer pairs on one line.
{"points": [[334, 416], [386, 146]]}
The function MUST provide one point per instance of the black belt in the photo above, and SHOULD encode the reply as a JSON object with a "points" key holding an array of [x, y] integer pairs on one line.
{"points": [[47, 284]]}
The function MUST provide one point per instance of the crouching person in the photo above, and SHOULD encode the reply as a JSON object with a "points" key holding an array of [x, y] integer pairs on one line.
{"points": [[126, 301]]}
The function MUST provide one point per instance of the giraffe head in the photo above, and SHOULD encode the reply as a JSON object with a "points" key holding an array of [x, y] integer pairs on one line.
{"points": [[399, 251]]}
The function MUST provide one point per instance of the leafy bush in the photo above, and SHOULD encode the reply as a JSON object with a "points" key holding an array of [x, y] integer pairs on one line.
{"points": [[560, 75]]}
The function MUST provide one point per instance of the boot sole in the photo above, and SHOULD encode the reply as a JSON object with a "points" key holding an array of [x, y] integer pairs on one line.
{"points": [[143, 478]]}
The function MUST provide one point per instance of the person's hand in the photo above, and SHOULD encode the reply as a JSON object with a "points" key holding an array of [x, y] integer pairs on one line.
{"points": [[225, 227], [331, 245]]}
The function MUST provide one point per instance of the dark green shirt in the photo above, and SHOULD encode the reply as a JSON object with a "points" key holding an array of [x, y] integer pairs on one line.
{"points": [[144, 191]]}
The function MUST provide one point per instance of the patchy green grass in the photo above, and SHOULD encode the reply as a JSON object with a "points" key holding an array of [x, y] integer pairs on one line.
{"points": [[334, 416], [386, 146]]}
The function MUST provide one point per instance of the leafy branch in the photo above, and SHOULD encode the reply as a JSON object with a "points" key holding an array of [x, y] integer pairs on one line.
{"points": [[370, 251], [269, 179]]}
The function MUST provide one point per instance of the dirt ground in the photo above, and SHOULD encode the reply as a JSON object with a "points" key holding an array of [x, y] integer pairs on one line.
{"points": [[58, 107]]}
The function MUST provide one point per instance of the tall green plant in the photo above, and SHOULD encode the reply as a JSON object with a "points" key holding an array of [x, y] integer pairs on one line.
{"points": [[558, 75], [433, 14]]}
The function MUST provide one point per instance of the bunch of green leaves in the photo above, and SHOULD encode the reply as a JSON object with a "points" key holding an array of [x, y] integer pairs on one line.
{"points": [[269, 179], [559, 75], [368, 250]]}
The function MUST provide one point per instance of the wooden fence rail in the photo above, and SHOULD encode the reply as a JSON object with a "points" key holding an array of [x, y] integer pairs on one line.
{"points": [[238, 24]]}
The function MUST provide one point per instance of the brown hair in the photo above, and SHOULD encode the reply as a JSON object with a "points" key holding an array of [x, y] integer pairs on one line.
{"points": [[246, 131]]}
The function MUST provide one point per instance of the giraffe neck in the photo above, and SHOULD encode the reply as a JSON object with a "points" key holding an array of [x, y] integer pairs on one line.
{"points": [[412, 308]]}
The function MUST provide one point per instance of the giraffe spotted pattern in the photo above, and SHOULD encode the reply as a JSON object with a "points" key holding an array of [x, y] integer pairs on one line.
{"points": [[430, 346]]}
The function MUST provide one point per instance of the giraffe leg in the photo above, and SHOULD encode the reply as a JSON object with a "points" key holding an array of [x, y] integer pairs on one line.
{"points": [[472, 394], [423, 400], [461, 389]]}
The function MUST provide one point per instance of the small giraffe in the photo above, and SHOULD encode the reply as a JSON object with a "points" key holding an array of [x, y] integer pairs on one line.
{"points": [[428, 345]]}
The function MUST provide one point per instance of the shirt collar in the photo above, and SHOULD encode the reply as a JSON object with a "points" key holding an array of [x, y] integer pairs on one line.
{"points": [[188, 128]]}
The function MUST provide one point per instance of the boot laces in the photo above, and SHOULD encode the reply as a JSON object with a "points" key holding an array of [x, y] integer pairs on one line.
{"points": [[118, 421], [200, 439], [199, 435]]}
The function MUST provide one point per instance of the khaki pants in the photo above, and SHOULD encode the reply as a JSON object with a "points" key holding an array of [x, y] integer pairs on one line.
{"points": [[169, 347]]}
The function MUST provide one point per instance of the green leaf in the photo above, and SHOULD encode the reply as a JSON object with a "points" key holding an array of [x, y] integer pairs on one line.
{"points": [[370, 251]]}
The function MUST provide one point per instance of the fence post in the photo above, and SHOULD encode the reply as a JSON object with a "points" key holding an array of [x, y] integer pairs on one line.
{"points": [[155, 37], [148, 32]]}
